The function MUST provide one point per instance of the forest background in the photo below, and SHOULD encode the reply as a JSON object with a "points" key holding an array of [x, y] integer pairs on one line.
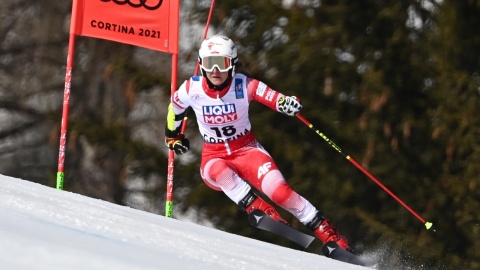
{"points": [[395, 84]]}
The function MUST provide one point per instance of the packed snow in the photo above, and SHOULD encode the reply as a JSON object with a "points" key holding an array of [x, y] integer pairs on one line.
{"points": [[45, 228]]}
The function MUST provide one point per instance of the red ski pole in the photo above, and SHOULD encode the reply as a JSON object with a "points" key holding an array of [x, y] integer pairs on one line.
{"points": [[171, 153], [427, 224]]}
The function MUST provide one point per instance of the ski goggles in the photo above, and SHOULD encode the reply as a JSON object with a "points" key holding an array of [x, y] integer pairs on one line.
{"points": [[223, 63]]}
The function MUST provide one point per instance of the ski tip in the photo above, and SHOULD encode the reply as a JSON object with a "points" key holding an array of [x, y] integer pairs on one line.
{"points": [[334, 251]]}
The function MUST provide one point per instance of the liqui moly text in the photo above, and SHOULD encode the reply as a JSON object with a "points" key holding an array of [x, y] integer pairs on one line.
{"points": [[220, 114]]}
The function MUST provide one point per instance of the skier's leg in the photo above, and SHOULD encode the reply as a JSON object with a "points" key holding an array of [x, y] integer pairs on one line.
{"points": [[282, 194], [269, 180], [253, 201], [219, 175]]}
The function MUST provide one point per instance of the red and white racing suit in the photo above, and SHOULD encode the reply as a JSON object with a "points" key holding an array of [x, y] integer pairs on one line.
{"points": [[231, 155]]}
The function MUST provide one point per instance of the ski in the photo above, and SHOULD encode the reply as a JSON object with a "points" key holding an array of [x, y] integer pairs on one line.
{"points": [[334, 251], [259, 219]]}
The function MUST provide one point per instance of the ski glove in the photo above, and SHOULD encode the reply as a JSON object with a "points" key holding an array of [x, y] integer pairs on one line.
{"points": [[289, 105], [179, 144]]}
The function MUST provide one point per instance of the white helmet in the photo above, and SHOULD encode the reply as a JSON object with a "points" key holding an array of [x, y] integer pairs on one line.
{"points": [[218, 52]]}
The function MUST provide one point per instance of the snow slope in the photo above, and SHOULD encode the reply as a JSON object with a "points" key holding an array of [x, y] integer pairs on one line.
{"points": [[45, 228]]}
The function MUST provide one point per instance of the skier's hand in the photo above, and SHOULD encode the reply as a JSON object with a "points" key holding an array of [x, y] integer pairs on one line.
{"points": [[179, 144], [289, 105]]}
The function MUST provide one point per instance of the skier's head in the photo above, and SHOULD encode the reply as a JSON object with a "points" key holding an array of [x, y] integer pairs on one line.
{"points": [[217, 57]]}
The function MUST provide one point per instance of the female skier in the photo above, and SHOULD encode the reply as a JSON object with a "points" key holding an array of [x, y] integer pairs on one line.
{"points": [[233, 161]]}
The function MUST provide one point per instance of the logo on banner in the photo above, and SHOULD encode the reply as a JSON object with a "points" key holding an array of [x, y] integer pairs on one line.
{"points": [[148, 4], [220, 114], [151, 24]]}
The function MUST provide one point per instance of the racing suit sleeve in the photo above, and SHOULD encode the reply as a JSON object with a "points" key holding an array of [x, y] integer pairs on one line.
{"points": [[176, 112], [262, 93]]}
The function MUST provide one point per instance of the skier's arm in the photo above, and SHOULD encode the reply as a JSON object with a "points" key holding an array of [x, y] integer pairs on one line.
{"points": [[257, 90], [176, 111]]}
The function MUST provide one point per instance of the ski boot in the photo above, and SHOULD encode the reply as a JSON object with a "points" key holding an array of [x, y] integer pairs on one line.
{"points": [[322, 228], [252, 201]]}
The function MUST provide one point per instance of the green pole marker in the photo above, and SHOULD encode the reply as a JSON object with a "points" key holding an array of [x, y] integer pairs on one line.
{"points": [[60, 179], [169, 209]]}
